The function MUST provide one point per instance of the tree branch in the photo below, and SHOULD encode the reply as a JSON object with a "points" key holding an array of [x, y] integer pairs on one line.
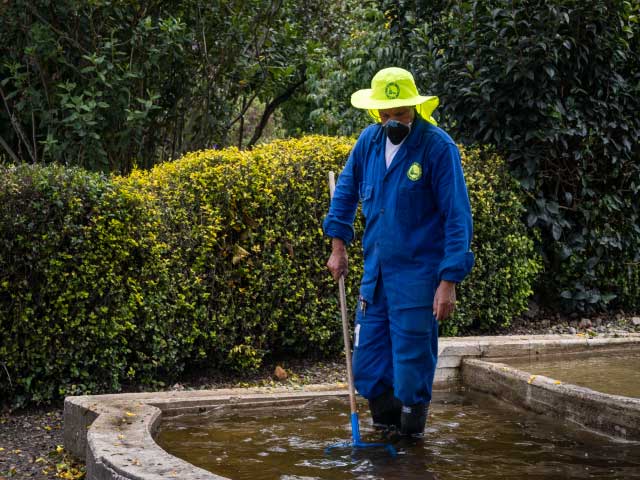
{"points": [[275, 103], [244, 109], [17, 127], [8, 150]]}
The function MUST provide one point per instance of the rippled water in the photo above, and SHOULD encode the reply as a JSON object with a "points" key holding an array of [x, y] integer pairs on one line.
{"points": [[469, 436], [615, 373]]}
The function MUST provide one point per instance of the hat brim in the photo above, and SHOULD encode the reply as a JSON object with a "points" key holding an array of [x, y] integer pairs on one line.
{"points": [[362, 99]]}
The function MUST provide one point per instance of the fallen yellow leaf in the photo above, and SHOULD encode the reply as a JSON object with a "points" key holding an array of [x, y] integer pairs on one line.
{"points": [[531, 378], [130, 414], [557, 382]]}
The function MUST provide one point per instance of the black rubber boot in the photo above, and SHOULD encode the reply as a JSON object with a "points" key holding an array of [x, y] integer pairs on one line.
{"points": [[385, 411], [413, 419]]}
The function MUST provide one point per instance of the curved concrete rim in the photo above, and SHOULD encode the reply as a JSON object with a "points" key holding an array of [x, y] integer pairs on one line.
{"points": [[615, 416], [115, 433]]}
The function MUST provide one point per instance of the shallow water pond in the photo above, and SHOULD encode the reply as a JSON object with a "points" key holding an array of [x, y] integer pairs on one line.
{"points": [[615, 373], [469, 436]]}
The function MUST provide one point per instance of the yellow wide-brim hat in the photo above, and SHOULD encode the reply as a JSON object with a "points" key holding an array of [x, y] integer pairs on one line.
{"points": [[391, 88]]}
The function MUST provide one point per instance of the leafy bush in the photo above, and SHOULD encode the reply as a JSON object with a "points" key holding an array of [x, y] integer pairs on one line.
{"points": [[214, 260], [108, 85], [506, 264], [556, 87], [364, 44], [84, 285], [81, 81], [244, 230]]}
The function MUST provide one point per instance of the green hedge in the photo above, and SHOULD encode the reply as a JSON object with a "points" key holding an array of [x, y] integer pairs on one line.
{"points": [[214, 260], [83, 281], [506, 263]]}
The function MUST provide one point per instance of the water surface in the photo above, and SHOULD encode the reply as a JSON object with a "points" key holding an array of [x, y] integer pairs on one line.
{"points": [[615, 373], [469, 436]]}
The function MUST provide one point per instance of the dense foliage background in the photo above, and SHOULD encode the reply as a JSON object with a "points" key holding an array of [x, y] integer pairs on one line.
{"points": [[215, 260], [90, 90], [107, 85], [555, 87]]}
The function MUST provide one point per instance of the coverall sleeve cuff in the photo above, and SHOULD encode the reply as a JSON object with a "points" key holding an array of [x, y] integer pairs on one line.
{"points": [[336, 229], [456, 268]]}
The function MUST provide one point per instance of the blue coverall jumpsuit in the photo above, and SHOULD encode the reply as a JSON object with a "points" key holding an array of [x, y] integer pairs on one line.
{"points": [[418, 232]]}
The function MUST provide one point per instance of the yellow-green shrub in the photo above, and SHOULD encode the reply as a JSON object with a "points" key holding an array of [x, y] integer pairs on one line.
{"points": [[245, 233], [83, 280], [506, 264], [217, 259]]}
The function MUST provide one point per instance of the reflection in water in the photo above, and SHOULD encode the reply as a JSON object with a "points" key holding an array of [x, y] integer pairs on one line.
{"points": [[468, 436]]}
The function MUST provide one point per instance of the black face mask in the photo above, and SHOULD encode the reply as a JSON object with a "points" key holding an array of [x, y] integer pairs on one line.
{"points": [[396, 131]]}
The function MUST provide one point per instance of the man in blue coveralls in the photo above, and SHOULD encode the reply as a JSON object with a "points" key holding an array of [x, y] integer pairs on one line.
{"points": [[407, 173]]}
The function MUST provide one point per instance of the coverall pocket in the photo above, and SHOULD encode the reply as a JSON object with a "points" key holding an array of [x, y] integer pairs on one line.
{"points": [[411, 294], [415, 323], [366, 197], [412, 204]]}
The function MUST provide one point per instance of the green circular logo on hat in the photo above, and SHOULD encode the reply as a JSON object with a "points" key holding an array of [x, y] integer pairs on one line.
{"points": [[392, 90], [415, 171]]}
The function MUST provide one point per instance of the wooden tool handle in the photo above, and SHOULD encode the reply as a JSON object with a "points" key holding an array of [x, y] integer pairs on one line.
{"points": [[345, 319]]}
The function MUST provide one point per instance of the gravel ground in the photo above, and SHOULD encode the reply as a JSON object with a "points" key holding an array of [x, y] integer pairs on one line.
{"points": [[538, 322], [31, 441], [31, 445]]}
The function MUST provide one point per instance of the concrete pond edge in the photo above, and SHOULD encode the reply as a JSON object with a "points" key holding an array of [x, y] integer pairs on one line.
{"points": [[114, 434], [615, 416]]}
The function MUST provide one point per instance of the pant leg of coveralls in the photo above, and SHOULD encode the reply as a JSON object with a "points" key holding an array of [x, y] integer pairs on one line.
{"points": [[372, 359], [414, 340]]}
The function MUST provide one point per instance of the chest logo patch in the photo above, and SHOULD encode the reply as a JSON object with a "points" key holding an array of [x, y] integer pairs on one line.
{"points": [[415, 171]]}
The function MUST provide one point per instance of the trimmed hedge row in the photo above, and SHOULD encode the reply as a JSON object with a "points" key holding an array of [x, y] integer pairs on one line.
{"points": [[506, 262], [83, 280], [214, 260]]}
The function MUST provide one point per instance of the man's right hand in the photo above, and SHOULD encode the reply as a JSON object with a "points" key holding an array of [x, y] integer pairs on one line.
{"points": [[338, 263]]}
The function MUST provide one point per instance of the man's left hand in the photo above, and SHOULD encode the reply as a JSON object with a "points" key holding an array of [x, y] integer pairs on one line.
{"points": [[444, 301]]}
